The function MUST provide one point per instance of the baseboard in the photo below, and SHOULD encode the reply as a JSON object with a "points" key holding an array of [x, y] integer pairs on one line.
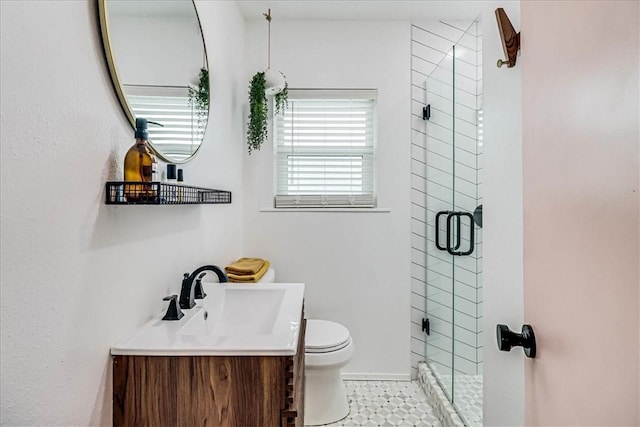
{"points": [[375, 377]]}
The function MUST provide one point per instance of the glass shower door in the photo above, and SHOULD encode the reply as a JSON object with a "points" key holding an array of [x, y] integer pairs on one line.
{"points": [[439, 89], [453, 249], [467, 275]]}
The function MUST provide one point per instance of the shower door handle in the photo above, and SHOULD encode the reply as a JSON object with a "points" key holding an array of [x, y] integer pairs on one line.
{"points": [[458, 233], [457, 216], [437, 230]]}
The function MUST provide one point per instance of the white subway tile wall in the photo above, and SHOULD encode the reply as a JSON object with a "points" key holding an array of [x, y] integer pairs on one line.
{"points": [[446, 176]]}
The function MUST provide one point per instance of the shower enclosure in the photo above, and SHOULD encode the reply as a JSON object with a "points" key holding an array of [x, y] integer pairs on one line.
{"points": [[452, 139]]}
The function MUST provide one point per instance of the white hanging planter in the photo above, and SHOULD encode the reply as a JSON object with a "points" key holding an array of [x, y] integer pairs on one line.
{"points": [[274, 82]]}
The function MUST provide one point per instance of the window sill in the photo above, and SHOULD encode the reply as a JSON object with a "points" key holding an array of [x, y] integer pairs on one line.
{"points": [[349, 210]]}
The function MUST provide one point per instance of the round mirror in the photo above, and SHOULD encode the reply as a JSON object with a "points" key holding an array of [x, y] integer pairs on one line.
{"points": [[158, 64]]}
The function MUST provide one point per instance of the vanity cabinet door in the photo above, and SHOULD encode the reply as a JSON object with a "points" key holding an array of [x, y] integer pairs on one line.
{"points": [[199, 390]]}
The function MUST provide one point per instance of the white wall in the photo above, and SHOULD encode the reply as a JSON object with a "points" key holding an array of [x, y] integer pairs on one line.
{"points": [[355, 265], [78, 276], [502, 224]]}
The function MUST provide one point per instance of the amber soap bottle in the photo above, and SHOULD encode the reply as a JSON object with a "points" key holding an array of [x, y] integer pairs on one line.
{"points": [[140, 165]]}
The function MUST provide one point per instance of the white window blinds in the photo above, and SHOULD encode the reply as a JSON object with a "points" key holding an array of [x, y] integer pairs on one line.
{"points": [[325, 149], [183, 128]]}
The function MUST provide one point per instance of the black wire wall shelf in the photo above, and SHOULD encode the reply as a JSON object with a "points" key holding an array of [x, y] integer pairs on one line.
{"points": [[161, 193]]}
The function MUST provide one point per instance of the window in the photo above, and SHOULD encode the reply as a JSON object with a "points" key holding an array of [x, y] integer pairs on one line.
{"points": [[183, 128], [325, 149]]}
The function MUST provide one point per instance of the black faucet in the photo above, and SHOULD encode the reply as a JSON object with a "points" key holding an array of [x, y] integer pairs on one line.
{"points": [[187, 293]]}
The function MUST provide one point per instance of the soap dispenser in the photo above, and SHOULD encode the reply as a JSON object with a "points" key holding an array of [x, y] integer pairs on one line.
{"points": [[140, 165]]}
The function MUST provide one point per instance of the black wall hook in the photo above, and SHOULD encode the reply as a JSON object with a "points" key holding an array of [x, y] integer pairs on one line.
{"points": [[507, 339]]}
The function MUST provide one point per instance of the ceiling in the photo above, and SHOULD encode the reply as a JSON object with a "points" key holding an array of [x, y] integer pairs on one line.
{"points": [[367, 9]]}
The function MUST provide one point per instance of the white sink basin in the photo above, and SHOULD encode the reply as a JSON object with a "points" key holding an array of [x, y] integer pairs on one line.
{"points": [[234, 319], [238, 311]]}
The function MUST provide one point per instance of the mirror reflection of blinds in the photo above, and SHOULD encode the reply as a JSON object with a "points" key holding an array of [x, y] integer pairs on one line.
{"points": [[324, 143], [182, 132]]}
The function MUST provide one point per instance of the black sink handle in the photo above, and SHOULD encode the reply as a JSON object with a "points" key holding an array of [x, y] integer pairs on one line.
{"points": [[507, 339], [198, 292], [173, 312]]}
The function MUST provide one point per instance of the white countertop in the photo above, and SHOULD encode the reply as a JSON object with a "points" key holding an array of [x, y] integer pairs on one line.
{"points": [[234, 319]]}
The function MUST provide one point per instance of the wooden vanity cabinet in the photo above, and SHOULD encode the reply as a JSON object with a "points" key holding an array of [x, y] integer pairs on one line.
{"points": [[242, 391]]}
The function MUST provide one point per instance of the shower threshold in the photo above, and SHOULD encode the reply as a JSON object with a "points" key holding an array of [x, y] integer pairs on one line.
{"points": [[468, 391]]}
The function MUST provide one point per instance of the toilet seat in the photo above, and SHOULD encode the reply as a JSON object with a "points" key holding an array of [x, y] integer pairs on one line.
{"points": [[323, 336], [328, 349]]}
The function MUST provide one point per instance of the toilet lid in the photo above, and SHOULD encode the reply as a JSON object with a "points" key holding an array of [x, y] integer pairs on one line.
{"points": [[323, 336]]}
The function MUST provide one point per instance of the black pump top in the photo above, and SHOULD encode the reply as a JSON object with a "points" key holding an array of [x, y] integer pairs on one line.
{"points": [[141, 128], [171, 171]]}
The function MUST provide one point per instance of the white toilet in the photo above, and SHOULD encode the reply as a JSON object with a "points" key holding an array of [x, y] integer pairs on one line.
{"points": [[328, 348]]}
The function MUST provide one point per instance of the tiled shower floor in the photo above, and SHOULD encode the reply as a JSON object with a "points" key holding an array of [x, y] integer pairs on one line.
{"points": [[468, 396], [467, 390], [387, 403]]}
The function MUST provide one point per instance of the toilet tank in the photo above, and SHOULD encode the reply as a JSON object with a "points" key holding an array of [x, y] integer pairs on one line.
{"points": [[269, 276]]}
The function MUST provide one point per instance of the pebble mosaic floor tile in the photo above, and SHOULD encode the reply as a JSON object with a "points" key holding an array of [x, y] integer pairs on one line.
{"points": [[468, 396], [387, 403], [467, 391]]}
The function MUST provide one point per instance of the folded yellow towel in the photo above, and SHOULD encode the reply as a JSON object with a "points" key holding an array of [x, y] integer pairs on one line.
{"points": [[249, 278], [245, 266]]}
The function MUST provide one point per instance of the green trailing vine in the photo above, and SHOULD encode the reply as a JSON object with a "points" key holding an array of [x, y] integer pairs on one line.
{"points": [[282, 98], [199, 96], [257, 128]]}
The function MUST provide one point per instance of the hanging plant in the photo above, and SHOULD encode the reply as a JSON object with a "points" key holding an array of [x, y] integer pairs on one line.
{"points": [[263, 83], [282, 98], [257, 126], [199, 97]]}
